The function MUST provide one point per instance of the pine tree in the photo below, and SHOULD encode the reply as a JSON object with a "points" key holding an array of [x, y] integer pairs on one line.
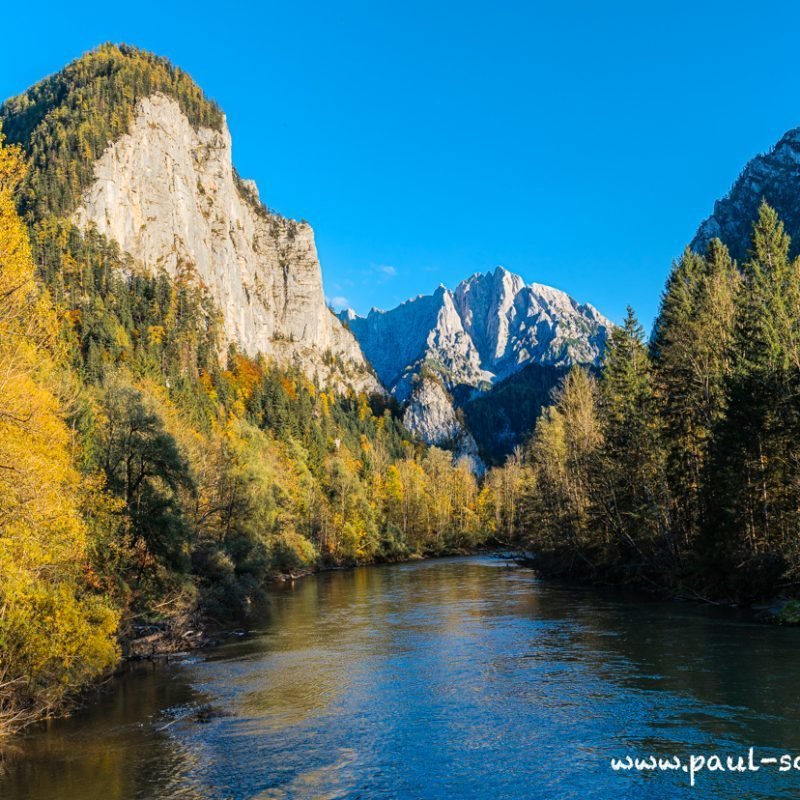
{"points": [[691, 349], [634, 484], [754, 484]]}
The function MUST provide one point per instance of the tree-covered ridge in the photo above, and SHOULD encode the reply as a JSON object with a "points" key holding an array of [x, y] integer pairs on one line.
{"points": [[65, 122], [678, 468], [504, 417]]}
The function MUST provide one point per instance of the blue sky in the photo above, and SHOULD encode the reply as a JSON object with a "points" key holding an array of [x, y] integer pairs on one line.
{"points": [[578, 144]]}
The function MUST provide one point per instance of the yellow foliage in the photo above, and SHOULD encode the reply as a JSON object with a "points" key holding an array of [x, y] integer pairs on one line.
{"points": [[156, 333], [363, 407], [53, 634]]}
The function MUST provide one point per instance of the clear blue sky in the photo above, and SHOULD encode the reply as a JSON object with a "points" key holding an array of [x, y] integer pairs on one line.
{"points": [[578, 144]]}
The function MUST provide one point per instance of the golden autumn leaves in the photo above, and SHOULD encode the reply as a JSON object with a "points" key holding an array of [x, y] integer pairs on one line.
{"points": [[54, 634]]}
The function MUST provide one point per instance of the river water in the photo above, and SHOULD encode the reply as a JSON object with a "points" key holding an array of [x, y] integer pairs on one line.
{"points": [[458, 678]]}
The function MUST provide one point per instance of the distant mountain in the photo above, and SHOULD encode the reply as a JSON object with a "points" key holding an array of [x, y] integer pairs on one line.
{"points": [[774, 177], [488, 329], [425, 330]]}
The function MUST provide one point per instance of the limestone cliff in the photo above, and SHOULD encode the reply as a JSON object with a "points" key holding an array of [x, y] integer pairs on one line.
{"points": [[168, 194], [489, 328], [430, 414]]}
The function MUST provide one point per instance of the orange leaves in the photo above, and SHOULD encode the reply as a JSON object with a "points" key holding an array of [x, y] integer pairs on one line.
{"points": [[247, 375], [290, 387]]}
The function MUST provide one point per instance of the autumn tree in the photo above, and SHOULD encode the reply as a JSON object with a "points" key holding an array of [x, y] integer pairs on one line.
{"points": [[54, 632]]}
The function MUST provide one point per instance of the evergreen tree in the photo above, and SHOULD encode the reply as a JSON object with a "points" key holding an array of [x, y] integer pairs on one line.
{"points": [[691, 349], [633, 461], [754, 485]]}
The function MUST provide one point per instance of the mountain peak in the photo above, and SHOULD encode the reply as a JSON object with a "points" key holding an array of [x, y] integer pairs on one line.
{"points": [[104, 85], [772, 176], [154, 174], [488, 328]]}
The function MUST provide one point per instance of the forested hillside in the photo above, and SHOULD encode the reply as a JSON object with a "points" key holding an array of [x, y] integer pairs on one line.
{"points": [[148, 472], [678, 468], [503, 418], [154, 475]]}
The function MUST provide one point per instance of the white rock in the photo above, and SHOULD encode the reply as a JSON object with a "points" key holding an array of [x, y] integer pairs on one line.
{"points": [[491, 326], [431, 415], [167, 194]]}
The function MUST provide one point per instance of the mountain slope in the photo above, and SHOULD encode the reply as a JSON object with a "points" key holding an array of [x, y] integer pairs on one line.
{"points": [[486, 330], [772, 176], [501, 419], [123, 142], [425, 329]]}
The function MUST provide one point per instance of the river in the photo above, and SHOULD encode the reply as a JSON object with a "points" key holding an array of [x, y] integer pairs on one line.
{"points": [[457, 678]]}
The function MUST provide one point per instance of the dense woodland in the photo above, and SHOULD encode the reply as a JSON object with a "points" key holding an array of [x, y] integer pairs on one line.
{"points": [[502, 419], [678, 468], [148, 471]]}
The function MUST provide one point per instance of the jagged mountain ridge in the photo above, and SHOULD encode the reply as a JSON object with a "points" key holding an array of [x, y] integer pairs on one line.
{"points": [[773, 176], [428, 329], [487, 329], [164, 188]]}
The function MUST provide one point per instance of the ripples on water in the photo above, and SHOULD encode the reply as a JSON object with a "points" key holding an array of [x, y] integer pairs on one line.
{"points": [[458, 678]]}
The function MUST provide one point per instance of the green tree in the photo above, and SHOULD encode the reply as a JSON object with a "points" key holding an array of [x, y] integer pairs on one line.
{"points": [[145, 467], [754, 488], [691, 348], [635, 493]]}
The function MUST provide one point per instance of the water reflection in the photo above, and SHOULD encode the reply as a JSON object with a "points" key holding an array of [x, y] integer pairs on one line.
{"points": [[443, 679], [116, 748]]}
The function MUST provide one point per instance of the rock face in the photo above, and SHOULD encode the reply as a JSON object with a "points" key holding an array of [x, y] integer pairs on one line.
{"points": [[774, 177], [461, 342], [430, 413], [427, 329], [168, 194], [513, 324]]}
